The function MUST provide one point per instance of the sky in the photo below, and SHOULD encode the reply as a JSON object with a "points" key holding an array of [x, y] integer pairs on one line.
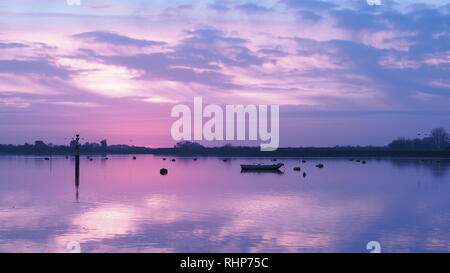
{"points": [[343, 72]]}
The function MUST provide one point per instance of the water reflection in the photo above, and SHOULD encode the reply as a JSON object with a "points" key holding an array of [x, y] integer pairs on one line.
{"points": [[77, 166], [438, 167], [262, 171], [208, 205], [77, 183]]}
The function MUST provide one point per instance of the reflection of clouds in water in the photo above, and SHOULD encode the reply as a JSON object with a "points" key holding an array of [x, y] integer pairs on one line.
{"points": [[244, 228], [88, 225], [407, 240], [23, 245], [317, 227], [113, 220], [19, 197], [105, 221], [295, 242], [439, 168], [158, 224], [399, 240], [339, 208], [26, 217]]}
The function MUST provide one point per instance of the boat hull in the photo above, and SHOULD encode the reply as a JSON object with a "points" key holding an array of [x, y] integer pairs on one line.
{"points": [[260, 167]]}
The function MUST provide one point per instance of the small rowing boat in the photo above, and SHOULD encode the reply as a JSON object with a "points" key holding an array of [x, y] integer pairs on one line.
{"points": [[271, 167]]}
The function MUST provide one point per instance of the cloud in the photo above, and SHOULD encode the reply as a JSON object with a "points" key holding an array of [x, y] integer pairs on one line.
{"points": [[272, 52], [162, 66], [37, 67], [116, 39], [398, 84], [357, 20], [199, 58], [209, 48], [219, 6], [421, 20], [175, 11], [12, 45], [252, 8], [309, 15], [210, 36], [309, 4]]}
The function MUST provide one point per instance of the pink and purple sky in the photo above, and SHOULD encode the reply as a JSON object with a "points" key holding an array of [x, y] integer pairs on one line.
{"points": [[344, 72]]}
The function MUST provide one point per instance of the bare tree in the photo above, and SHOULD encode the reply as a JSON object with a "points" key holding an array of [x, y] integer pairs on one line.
{"points": [[439, 137]]}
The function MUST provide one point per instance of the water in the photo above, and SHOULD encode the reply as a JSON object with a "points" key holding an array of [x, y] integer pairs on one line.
{"points": [[207, 205]]}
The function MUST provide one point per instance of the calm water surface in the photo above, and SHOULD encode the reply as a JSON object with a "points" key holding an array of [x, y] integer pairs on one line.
{"points": [[207, 205]]}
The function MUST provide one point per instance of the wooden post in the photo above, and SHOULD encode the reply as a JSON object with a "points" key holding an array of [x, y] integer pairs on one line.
{"points": [[77, 164]]}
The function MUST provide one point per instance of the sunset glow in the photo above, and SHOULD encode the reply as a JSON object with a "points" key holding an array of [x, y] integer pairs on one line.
{"points": [[117, 67]]}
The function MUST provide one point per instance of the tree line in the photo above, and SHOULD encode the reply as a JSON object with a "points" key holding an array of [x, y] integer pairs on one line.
{"points": [[437, 139]]}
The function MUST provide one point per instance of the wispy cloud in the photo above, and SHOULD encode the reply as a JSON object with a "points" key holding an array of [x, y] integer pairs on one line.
{"points": [[115, 39], [253, 8]]}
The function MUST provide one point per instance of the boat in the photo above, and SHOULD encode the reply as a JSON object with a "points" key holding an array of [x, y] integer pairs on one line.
{"points": [[271, 167], [262, 171]]}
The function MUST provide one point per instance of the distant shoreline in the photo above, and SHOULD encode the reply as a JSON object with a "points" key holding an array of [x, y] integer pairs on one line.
{"points": [[306, 152], [435, 145], [353, 152]]}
